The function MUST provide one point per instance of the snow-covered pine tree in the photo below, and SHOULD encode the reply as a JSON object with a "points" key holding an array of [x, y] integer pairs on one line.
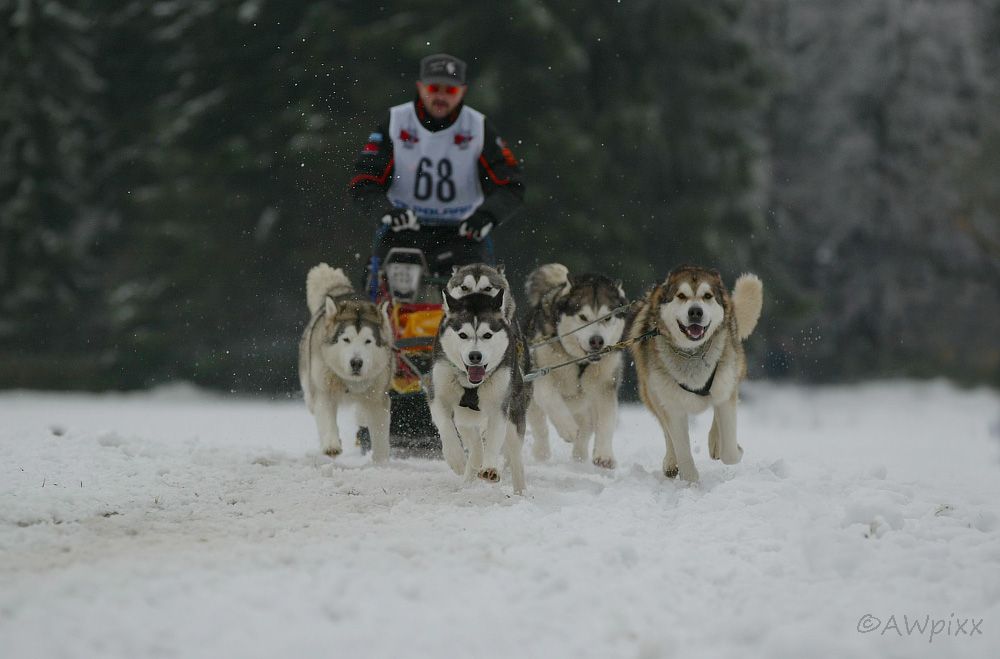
{"points": [[878, 102], [51, 221]]}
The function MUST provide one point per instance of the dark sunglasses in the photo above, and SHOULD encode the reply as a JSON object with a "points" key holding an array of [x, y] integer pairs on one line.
{"points": [[434, 88]]}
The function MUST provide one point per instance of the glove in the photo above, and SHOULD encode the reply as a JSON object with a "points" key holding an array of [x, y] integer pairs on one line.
{"points": [[477, 227], [401, 218]]}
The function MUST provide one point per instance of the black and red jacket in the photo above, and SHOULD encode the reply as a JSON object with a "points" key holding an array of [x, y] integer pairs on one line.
{"points": [[499, 171]]}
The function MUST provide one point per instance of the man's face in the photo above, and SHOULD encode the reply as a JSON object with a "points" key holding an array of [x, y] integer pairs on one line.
{"points": [[440, 99]]}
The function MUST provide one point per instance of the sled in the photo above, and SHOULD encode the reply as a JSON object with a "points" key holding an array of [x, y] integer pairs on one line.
{"points": [[404, 279]]}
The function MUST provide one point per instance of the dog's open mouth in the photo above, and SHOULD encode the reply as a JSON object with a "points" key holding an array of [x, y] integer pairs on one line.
{"points": [[693, 331], [476, 373]]}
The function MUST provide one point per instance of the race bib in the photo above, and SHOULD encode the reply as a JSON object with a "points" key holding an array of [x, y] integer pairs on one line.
{"points": [[436, 174]]}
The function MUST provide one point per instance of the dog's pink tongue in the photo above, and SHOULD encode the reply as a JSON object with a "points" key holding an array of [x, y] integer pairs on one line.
{"points": [[476, 374], [695, 331]]}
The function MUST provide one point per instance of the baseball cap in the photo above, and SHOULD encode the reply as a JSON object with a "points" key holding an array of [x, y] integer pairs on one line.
{"points": [[442, 68]]}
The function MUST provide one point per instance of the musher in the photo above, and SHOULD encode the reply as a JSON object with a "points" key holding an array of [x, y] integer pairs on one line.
{"points": [[437, 175]]}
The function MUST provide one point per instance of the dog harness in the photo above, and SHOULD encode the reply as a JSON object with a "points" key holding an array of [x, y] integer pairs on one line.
{"points": [[470, 398], [708, 385]]}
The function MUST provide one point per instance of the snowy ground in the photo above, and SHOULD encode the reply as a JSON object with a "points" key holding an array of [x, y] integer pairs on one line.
{"points": [[186, 524]]}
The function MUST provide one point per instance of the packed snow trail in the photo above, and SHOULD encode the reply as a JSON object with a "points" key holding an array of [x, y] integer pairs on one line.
{"points": [[185, 524]]}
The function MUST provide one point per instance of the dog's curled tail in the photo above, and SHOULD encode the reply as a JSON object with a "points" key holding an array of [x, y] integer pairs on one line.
{"points": [[323, 280], [543, 280], [748, 298]]}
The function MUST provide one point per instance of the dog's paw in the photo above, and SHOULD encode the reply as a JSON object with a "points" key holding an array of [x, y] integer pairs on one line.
{"points": [[454, 454], [333, 451], [733, 457], [455, 459], [491, 475], [604, 462], [688, 473], [670, 467], [714, 450]]}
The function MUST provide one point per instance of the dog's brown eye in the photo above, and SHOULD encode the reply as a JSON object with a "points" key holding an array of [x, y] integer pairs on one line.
{"points": [[463, 335], [681, 297], [346, 340], [488, 335], [465, 289], [583, 317], [487, 289], [708, 296], [367, 341]]}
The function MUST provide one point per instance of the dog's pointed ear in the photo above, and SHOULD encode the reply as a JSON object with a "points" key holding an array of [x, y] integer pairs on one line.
{"points": [[448, 302], [330, 307], [454, 270], [497, 302], [500, 268], [621, 289], [383, 312]]}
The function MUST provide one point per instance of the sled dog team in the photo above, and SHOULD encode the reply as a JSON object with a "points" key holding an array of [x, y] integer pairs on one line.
{"points": [[489, 380]]}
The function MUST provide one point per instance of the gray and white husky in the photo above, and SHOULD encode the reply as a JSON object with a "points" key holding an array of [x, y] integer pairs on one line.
{"points": [[478, 398], [345, 355], [482, 278], [581, 400]]}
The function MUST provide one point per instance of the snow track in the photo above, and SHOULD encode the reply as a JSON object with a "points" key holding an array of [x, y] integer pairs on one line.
{"points": [[181, 523]]}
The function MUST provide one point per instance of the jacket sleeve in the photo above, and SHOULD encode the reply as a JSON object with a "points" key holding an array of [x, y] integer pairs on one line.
{"points": [[373, 175], [500, 176]]}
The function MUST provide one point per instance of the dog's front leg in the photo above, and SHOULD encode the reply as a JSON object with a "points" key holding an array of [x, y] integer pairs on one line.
{"points": [[451, 444], [730, 452], [496, 431], [670, 460], [377, 413], [677, 434], [605, 413], [539, 431], [551, 401], [582, 441], [473, 439], [512, 448], [325, 410]]}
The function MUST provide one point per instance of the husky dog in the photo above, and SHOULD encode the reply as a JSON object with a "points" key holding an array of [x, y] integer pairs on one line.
{"points": [[481, 278], [694, 359], [581, 400], [478, 397], [345, 356]]}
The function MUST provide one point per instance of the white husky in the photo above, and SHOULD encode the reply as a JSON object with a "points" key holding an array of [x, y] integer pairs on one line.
{"points": [[345, 356], [478, 399], [581, 400]]}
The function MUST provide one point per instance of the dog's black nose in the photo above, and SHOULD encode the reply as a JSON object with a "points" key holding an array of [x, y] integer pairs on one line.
{"points": [[475, 357], [695, 313], [596, 342], [356, 364]]}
